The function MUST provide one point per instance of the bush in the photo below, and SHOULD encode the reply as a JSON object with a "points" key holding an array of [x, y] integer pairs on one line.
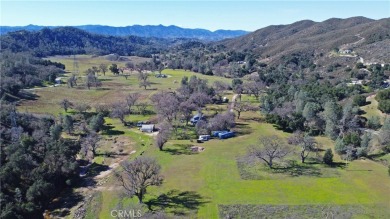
{"points": [[383, 95], [340, 147], [384, 106], [328, 157], [359, 100], [352, 138], [374, 122], [361, 152], [359, 65]]}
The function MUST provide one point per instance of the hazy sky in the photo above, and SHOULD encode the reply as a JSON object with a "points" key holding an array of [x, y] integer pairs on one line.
{"points": [[245, 15]]}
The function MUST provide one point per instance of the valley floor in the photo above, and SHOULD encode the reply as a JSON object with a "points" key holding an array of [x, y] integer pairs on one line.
{"points": [[215, 183]]}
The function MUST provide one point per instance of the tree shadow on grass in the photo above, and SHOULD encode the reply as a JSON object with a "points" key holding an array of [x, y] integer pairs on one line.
{"points": [[242, 129], [95, 169], [112, 154], [180, 149], [298, 170], [253, 118], [376, 156], [59, 207], [177, 202], [109, 130], [27, 95], [340, 165], [105, 79], [309, 168], [102, 88]]}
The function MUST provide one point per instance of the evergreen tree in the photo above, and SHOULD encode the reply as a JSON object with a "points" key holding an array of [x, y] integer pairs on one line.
{"points": [[339, 146], [328, 157], [68, 124], [96, 122]]}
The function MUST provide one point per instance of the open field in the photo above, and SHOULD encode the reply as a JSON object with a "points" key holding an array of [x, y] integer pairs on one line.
{"points": [[113, 89], [210, 183], [83, 62], [212, 178]]}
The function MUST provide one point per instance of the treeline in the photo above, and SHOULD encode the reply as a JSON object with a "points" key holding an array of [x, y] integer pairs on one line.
{"points": [[383, 98], [210, 60], [22, 70], [36, 162], [217, 59], [69, 41], [317, 108]]}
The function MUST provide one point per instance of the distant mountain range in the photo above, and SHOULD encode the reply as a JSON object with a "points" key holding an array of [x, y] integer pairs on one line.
{"points": [[160, 31]]}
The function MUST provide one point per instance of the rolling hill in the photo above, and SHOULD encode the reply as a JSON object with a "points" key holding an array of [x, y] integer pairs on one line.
{"points": [[159, 31], [70, 40], [318, 38]]}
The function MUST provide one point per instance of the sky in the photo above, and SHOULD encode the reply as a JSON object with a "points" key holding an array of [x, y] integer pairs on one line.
{"points": [[212, 15]]}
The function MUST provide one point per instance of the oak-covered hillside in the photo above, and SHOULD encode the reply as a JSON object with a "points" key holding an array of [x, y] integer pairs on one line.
{"points": [[69, 41], [314, 38], [160, 31]]}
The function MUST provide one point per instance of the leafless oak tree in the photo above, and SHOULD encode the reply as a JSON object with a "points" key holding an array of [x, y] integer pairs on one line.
{"points": [[143, 80], [119, 111], [132, 99], [271, 149], [243, 106], [66, 104], [163, 135], [138, 175], [306, 143], [90, 142]]}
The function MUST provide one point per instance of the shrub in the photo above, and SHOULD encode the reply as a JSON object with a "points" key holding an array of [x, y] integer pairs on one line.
{"points": [[340, 147], [359, 65], [374, 122], [359, 100], [328, 157], [361, 152], [383, 95], [384, 106]]}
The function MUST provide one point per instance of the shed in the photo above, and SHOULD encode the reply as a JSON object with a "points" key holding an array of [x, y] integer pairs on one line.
{"points": [[147, 128]]}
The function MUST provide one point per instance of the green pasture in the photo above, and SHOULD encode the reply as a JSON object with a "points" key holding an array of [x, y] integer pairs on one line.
{"points": [[212, 178], [196, 185], [113, 89]]}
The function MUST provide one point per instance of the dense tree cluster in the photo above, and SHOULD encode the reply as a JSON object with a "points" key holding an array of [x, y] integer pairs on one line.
{"points": [[70, 41], [36, 162], [383, 98], [21, 70], [378, 75]]}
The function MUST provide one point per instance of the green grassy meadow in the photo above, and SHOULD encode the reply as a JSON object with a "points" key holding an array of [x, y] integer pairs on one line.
{"points": [[198, 184], [372, 109], [113, 89], [213, 179]]}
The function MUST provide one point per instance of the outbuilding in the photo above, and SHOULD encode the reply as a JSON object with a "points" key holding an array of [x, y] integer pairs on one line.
{"points": [[147, 128]]}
